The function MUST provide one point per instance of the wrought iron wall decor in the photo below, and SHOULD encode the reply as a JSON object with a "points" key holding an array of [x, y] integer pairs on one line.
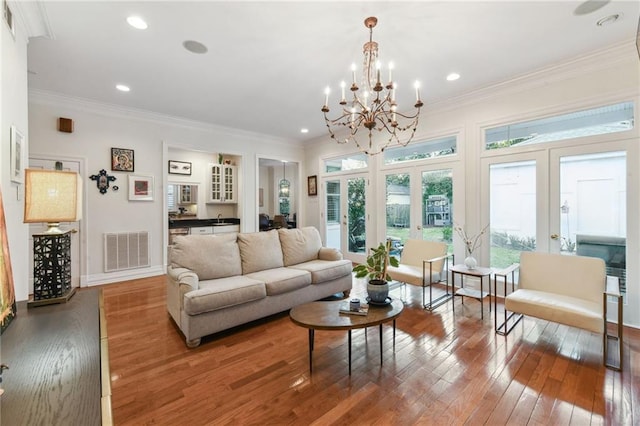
{"points": [[102, 180]]}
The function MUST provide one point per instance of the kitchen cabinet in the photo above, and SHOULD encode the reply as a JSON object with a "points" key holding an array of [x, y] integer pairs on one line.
{"points": [[225, 229], [201, 230], [188, 194], [222, 184]]}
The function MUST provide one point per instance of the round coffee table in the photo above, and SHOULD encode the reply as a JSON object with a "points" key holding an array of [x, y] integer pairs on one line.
{"points": [[327, 316]]}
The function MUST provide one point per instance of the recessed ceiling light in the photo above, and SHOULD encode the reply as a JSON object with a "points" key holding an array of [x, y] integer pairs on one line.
{"points": [[195, 46], [453, 76], [304, 130], [608, 20], [122, 88], [137, 22]]}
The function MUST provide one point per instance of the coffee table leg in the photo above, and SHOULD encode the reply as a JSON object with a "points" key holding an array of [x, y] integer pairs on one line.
{"points": [[394, 335], [380, 344], [349, 352], [311, 333]]}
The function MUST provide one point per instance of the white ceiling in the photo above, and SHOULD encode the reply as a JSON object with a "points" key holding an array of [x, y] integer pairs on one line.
{"points": [[268, 62]]}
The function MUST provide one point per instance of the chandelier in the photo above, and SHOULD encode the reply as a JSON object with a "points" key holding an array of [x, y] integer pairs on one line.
{"points": [[373, 106]]}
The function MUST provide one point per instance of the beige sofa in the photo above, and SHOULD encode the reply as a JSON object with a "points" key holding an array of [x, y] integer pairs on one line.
{"points": [[215, 282], [570, 290]]}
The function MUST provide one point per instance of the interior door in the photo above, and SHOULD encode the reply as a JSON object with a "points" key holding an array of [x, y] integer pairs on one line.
{"points": [[345, 215], [34, 228]]}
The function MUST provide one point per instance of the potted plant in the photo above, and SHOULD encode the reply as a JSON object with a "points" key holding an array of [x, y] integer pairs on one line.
{"points": [[375, 269]]}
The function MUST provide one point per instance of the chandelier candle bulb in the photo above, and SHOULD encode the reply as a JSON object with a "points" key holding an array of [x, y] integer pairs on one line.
{"points": [[390, 72], [353, 71], [326, 96], [342, 86]]}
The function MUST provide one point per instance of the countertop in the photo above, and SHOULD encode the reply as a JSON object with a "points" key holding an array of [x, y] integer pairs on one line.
{"points": [[190, 222]]}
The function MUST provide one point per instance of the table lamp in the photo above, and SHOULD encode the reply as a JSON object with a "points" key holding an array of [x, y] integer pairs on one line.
{"points": [[52, 196]]}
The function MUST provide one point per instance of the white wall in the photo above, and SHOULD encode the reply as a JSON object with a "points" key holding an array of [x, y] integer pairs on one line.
{"points": [[14, 111], [98, 128], [607, 76]]}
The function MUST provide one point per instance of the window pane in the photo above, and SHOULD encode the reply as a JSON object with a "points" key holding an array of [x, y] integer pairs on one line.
{"points": [[350, 162], [398, 209], [512, 211], [420, 150], [437, 206], [597, 121], [357, 207], [333, 201]]}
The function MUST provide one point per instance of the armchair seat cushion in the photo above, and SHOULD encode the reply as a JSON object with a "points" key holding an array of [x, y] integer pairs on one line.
{"points": [[411, 274], [558, 308], [282, 280], [325, 270], [223, 293]]}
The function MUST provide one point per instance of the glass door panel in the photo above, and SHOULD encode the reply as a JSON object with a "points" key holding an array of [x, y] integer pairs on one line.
{"points": [[356, 220], [592, 208], [437, 206], [398, 210], [512, 203], [332, 214], [345, 216]]}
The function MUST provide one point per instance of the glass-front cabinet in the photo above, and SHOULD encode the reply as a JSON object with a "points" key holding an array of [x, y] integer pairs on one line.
{"points": [[222, 184]]}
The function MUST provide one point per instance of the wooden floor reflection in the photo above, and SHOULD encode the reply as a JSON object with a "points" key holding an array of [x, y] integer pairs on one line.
{"points": [[446, 369]]}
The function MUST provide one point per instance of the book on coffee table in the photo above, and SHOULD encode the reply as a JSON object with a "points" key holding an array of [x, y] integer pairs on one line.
{"points": [[345, 309]]}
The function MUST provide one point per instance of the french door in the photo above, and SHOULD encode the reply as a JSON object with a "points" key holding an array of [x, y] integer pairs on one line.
{"points": [[569, 200], [419, 203], [345, 215]]}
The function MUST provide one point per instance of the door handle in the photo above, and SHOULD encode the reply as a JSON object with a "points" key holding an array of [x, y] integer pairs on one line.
{"points": [[554, 236], [418, 227]]}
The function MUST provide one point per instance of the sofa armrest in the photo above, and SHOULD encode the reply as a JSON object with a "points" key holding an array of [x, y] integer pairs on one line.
{"points": [[508, 270], [428, 264], [183, 276], [329, 253]]}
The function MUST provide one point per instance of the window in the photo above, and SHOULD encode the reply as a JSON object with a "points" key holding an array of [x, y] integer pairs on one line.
{"points": [[596, 121], [420, 150], [350, 162]]}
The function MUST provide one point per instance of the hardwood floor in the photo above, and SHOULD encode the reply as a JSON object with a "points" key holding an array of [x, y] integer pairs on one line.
{"points": [[446, 369]]}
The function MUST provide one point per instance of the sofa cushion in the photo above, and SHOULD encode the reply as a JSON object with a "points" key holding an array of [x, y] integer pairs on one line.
{"points": [[282, 280], [299, 245], [223, 293], [209, 256], [260, 251], [559, 308], [325, 270]]}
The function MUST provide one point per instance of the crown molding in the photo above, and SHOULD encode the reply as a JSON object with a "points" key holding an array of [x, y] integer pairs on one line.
{"points": [[45, 97], [608, 57], [34, 17]]}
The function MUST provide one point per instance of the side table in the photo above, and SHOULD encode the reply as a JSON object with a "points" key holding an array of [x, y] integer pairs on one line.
{"points": [[478, 272]]}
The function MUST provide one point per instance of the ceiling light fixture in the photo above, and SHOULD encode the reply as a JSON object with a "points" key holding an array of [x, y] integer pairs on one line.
{"points": [[195, 47], [373, 105], [122, 88], [453, 76], [304, 130], [137, 22]]}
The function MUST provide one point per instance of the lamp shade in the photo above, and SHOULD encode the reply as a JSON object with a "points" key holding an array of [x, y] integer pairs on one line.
{"points": [[52, 196]]}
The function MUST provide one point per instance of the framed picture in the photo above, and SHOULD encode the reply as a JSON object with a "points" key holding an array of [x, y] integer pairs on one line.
{"points": [[312, 185], [179, 168], [140, 188], [122, 160], [17, 155]]}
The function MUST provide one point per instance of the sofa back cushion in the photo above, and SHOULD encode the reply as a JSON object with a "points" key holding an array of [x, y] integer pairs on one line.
{"points": [[299, 245], [209, 256], [260, 251], [578, 276]]}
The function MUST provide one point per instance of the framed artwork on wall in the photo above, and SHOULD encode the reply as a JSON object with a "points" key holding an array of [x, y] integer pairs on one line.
{"points": [[179, 168], [312, 185], [17, 155], [122, 160], [7, 290], [140, 188]]}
